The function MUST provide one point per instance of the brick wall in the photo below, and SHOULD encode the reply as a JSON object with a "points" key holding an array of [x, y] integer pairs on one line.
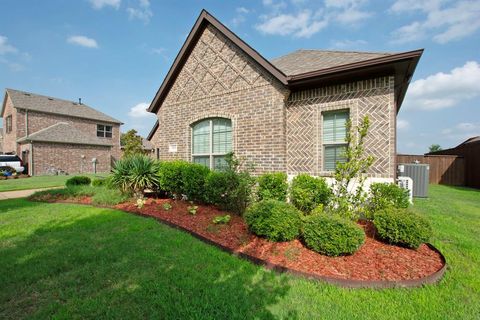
{"points": [[373, 97], [9, 139], [69, 158], [218, 80]]}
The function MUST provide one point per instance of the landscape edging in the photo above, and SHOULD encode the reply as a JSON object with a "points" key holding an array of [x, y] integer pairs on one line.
{"points": [[345, 283]]}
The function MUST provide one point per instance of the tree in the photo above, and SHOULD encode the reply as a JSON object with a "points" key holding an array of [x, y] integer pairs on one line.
{"points": [[349, 195], [131, 143], [434, 147]]}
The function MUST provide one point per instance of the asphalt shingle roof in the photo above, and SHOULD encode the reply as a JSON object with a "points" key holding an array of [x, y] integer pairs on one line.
{"points": [[36, 102], [63, 132], [302, 61]]}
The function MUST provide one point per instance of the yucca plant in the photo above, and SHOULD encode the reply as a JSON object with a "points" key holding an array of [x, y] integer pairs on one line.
{"points": [[135, 173]]}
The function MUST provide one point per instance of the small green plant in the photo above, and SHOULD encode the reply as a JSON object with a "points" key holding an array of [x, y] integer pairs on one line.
{"points": [[167, 206], [272, 186], [134, 174], [78, 181], [140, 202], [222, 219], [307, 192], [332, 235], [273, 219], [108, 197], [402, 227], [192, 210], [318, 210]]}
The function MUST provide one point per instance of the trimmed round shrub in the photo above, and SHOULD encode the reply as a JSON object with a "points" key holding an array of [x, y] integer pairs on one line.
{"points": [[99, 182], [171, 176], [308, 192], [78, 181], [402, 227], [272, 186], [332, 235], [194, 176], [274, 220]]}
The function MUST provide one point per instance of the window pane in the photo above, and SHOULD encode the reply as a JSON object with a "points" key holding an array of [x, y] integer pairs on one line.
{"points": [[108, 134], [100, 134], [201, 137], [332, 155], [334, 127], [108, 128], [100, 127], [222, 135], [219, 163], [202, 160]]}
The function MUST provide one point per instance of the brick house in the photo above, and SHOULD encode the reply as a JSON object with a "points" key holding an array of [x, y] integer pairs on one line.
{"points": [[50, 133], [287, 114]]}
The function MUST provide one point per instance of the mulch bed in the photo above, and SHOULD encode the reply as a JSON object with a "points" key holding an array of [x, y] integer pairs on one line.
{"points": [[375, 261]]}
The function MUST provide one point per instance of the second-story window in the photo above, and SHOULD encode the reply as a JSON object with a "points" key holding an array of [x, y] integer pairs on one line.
{"points": [[8, 124], [104, 131]]}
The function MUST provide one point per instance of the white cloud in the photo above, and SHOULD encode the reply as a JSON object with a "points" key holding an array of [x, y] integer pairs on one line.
{"points": [[444, 90], [462, 131], [348, 12], [83, 41], [402, 124], [140, 111], [242, 10], [142, 12], [349, 44], [13, 66], [99, 4], [240, 16], [5, 47], [457, 21], [302, 25]]}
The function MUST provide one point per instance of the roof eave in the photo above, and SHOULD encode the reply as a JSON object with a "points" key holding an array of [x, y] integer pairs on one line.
{"points": [[203, 20], [152, 132]]}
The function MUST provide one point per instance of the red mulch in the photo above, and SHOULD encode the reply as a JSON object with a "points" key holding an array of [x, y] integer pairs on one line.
{"points": [[374, 261]]}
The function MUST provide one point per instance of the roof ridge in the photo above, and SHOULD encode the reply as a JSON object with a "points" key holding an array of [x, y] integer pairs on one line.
{"points": [[348, 51], [48, 97]]}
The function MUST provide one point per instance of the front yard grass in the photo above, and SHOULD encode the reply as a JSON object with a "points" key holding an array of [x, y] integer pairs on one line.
{"points": [[73, 261], [37, 182]]}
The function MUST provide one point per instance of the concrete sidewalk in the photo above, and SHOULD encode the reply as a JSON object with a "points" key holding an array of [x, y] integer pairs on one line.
{"points": [[21, 193]]}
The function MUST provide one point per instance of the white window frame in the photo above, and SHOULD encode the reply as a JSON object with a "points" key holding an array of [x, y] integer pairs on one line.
{"points": [[332, 144], [210, 154]]}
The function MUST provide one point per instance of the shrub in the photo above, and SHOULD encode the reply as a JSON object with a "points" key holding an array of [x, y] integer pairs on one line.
{"points": [[134, 174], [273, 219], [99, 182], [332, 235], [402, 227], [78, 181], [384, 195], [272, 186], [108, 197], [318, 210], [308, 192], [193, 181], [171, 177]]}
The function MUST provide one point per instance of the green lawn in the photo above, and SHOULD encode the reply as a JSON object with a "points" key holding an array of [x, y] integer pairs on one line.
{"points": [[35, 182], [71, 261]]}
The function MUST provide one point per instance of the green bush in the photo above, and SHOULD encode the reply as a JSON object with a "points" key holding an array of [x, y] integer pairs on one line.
{"points": [[384, 195], [318, 210], [272, 186], [171, 177], [99, 182], [308, 192], [332, 235], [274, 220], [229, 190], [193, 181], [78, 181], [402, 227], [108, 197], [134, 174]]}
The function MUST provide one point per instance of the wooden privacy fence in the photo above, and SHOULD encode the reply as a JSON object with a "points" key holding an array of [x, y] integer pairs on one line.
{"points": [[444, 169]]}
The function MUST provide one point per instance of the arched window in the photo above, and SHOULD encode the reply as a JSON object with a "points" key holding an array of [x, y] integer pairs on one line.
{"points": [[211, 141]]}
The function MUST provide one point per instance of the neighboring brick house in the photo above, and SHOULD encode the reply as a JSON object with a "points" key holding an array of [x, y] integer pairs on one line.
{"points": [[53, 134], [287, 114]]}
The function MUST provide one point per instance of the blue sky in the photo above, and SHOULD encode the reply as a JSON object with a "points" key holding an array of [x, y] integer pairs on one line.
{"points": [[115, 53]]}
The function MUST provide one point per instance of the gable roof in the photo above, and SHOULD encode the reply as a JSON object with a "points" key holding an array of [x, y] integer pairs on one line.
{"points": [[40, 103], [63, 132], [304, 68]]}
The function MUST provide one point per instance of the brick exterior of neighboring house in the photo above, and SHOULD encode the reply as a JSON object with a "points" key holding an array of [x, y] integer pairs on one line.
{"points": [[276, 116], [49, 133]]}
